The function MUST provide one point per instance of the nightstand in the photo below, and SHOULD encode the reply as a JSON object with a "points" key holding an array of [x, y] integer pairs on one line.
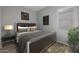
{"points": [[10, 38]]}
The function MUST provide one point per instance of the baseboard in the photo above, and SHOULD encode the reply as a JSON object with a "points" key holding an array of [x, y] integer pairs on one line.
{"points": [[62, 42]]}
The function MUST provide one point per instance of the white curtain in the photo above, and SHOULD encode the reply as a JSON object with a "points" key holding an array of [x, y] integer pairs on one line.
{"points": [[66, 19]]}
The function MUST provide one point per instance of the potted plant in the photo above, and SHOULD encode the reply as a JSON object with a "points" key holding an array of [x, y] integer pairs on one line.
{"points": [[73, 36]]}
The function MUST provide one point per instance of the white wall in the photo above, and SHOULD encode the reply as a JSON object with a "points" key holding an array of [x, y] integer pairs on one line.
{"points": [[52, 12], [53, 22], [0, 26], [12, 15]]}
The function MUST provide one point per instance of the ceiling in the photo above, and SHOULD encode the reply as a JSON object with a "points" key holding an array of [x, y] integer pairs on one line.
{"points": [[35, 8]]}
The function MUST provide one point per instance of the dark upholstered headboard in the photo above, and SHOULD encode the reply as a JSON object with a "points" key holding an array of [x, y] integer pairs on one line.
{"points": [[25, 25]]}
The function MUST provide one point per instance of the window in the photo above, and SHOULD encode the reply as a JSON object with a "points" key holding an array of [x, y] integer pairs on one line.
{"points": [[66, 19]]}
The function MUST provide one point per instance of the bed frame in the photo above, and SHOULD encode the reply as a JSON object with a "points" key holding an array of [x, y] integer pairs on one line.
{"points": [[40, 45]]}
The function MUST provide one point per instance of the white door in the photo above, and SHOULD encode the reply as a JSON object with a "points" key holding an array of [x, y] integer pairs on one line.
{"points": [[66, 19]]}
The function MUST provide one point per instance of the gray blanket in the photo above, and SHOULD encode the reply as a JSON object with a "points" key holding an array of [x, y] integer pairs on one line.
{"points": [[31, 37]]}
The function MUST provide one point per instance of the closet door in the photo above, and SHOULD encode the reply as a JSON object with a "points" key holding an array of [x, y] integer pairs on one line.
{"points": [[66, 19]]}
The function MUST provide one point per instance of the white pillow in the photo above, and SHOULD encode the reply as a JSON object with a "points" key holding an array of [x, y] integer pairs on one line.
{"points": [[19, 27], [33, 28], [23, 29]]}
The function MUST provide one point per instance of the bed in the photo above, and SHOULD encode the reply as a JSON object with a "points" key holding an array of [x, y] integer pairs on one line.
{"points": [[34, 41]]}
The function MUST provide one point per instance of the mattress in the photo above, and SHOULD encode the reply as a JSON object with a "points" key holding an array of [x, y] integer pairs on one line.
{"points": [[26, 38]]}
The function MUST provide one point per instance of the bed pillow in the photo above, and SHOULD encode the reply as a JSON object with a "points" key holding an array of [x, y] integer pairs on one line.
{"points": [[33, 28], [22, 29], [19, 27]]}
